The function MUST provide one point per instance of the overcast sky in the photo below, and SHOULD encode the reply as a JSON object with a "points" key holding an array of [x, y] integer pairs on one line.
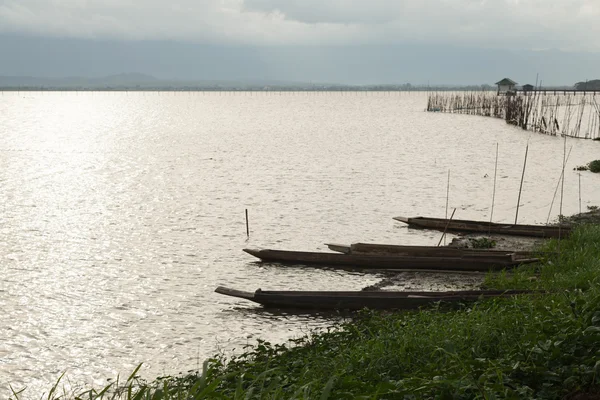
{"points": [[524, 24], [531, 25]]}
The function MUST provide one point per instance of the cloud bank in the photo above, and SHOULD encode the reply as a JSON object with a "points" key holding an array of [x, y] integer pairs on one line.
{"points": [[508, 24]]}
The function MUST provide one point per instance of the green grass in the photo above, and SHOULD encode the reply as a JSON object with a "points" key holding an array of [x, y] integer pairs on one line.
{"points": [[482, 243], [543, 346]]}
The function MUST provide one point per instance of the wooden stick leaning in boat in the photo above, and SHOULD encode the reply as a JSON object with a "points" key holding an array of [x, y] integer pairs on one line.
{"points": [[446, 228], [521, 186]]}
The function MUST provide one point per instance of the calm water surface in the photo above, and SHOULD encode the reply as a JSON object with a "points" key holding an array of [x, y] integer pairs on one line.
{"points": [[121, 212]]}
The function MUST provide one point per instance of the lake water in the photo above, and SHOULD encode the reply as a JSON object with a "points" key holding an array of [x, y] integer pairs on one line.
{"points": [[122, 212]]}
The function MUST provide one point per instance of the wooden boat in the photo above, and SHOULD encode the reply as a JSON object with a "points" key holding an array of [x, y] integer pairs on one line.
{"points": [[356, 300], [368, 261], [462, 225], [428, 251]]}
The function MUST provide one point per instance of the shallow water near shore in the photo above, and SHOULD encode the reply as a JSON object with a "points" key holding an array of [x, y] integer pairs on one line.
{"points": [[122, 212]]}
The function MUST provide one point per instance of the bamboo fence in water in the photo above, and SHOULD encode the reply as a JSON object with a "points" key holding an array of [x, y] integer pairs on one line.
{"points": [[574, 115]]}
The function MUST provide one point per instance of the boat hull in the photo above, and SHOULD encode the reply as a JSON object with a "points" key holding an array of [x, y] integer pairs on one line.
{"points": [[395, 262], [430, 251], [458, 225], [356, 300]]}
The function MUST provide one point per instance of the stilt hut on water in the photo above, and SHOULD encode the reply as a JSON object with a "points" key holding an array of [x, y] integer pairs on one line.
{"points": [[527, 88], [506, 86]]}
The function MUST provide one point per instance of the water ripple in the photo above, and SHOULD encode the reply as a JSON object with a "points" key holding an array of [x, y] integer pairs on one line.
{"points": [[120, 214]]}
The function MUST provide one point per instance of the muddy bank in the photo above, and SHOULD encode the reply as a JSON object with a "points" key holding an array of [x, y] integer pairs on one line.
{"points": [[502, 242], [429, 281], [590, 217], [446, 281]]}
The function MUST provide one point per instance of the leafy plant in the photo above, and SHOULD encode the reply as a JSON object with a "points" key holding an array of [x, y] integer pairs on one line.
{"points": [[482, 243], [594, 166]]}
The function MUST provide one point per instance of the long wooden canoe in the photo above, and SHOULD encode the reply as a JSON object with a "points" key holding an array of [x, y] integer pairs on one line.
{"points": [[398, 262], [356, 300], [463, 225], [428, 251]]}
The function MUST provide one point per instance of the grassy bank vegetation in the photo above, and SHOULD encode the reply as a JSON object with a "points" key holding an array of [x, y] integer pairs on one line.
{"points": [[543, 346]]}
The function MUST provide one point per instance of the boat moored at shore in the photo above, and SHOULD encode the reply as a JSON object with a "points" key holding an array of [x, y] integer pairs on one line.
{"points": [[390, 262], [462, 225], [356, 300]]}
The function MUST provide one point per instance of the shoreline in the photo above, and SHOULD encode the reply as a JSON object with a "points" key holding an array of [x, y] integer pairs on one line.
{"points": [[449, 281], [544, 346]]}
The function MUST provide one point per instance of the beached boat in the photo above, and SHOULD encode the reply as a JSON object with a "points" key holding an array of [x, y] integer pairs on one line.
{"points": [[428, 251], [394, 262], [462, 225], [356, 300]]}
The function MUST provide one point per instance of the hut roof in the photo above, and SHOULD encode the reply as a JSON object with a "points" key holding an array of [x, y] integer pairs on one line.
{"points": [[506, 81]]}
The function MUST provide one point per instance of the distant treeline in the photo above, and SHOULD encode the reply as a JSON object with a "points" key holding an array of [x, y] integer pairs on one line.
{"points": [[121, 83], [142, 82], [588, 85], [273, 88]]}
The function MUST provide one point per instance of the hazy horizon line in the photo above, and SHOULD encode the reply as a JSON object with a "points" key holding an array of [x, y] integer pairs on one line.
{"points": [[142, 80]]}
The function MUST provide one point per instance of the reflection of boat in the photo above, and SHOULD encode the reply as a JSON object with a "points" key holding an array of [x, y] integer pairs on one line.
{"points": [[356, 300], [388, 261], [428, 251], [462, 225]]}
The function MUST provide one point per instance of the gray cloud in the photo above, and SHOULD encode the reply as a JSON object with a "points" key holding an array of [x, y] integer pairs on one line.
{"points": [[333, 11], [509, 24]]}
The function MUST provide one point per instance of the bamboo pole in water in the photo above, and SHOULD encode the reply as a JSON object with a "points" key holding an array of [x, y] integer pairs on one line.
{"points": [[562, 186], [494, 191], [447, 200], [447, 194], [531, 111], [579, 192], [562, 190], [556, 189], [521, 186], [247, 225]]}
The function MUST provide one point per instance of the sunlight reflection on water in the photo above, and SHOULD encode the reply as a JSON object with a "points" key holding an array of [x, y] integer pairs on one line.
{"points": [[121, 212]]}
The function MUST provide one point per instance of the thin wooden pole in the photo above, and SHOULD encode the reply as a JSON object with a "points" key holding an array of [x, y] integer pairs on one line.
{"points": [[446, 227], [247, 225], [562, 184], [556, 189], [494, 192], [447, 194], [562, 191], [579, 192], [521, 186], [447, 200]]}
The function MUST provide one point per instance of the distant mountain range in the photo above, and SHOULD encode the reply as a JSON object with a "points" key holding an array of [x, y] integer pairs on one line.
{"points": [[113, 80], [138, 81], [119, 81], [181, 64], [100, 63]]}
